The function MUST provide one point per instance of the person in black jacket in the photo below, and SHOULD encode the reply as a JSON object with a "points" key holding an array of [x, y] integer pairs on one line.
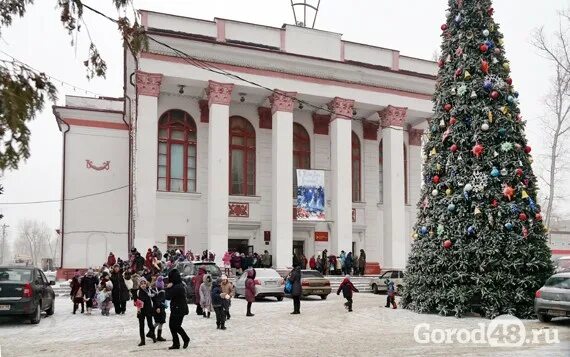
{"points": [[89, 288], [176, 293], [218, 298], [295, 279], [120, 294], [159, 306], [144, 311]]}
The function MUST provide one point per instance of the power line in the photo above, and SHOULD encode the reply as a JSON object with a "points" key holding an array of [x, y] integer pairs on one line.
{"points": [[67, 199], [107, 232]]}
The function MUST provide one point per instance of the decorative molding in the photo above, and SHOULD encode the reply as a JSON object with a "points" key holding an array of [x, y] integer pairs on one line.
{"points": [[238, 209], [353, 215], [370, 129], [282, 101], [342, 108], [321, 123], [204, 111], [106, 165], [219, 93], [148, 83], [264, 117], [393, 116], [415, 137]]}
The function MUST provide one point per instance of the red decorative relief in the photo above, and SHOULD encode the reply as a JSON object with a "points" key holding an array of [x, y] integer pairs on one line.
{"points": [[282, 101], [148, 83], [104, 166], [370, 129], [342, 108], [238, 209], [321, 123], [204, 110], [264, 117], [354, 215], [219, 93], [393, 116], [415, 137]]}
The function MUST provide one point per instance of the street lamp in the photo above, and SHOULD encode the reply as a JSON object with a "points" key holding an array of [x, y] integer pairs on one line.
{"points": [[302, 11]]}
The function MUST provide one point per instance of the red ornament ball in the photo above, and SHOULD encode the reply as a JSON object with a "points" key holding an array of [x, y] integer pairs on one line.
{"points": [[522, 217], [458, 71], [447, 107], [452, 120], [509, 81], [495, 203], [485, 67], [495, 95], [483, 48], [478, 150], [538, 217], [440, 63], [497, 51], [453, 148], [447, 244], [519, 172], [519, 117], [444, 27], [435, 179], [490, 11], [527, 149]]}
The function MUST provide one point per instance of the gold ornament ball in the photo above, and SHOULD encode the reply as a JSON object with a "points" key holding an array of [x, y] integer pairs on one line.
{"points": [[448, 192], [506, 66]]}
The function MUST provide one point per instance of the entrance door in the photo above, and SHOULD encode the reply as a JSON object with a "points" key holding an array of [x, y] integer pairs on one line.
{"points": [[298, 247], [353, 248], [238, 245]]}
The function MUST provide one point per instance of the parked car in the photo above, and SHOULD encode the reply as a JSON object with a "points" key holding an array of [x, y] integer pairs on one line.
{"points": [[562, 264], [189, 269], [553, 299], [314, 283], [25, 291], [378, 284], [271, 284]]}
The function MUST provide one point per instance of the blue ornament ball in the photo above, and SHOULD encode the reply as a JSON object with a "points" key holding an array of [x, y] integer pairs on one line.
{"points": [[471, 230], [516, 94], [451, 207], [495, 172], [510, 99], [490, 44], [487, 85], [424, 230], [458, 18], [502, 131], [509, 226]]}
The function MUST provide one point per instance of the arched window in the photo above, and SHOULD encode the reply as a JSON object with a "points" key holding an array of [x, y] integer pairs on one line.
{"points": [[176, 152], [381, 172], [405, 174], [301, 152], [242, 157], [356, 160]]}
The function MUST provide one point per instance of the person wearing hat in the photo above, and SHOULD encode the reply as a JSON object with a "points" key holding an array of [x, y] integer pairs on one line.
{"points": [[144, 311], [120, 290], [76, 293], [176, 293], [228, 289], [347, 288], [89, 288], [296, 292], [159, 306]]}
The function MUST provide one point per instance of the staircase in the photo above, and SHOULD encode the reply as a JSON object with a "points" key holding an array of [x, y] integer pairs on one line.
{"points": [[62, 288], [359, 282]]}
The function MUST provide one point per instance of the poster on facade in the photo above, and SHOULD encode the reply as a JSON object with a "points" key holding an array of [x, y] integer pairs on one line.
{"points": [[310, 195]]}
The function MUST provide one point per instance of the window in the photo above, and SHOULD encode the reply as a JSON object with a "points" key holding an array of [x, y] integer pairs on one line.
{"points": [[242, 157], [405, 174], [175, 242], [176, 152], [381, 173], [301, 152], [355, 168]]}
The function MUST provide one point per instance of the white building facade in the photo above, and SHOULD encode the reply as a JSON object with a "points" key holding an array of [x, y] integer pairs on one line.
{"points": [[217, 117]]}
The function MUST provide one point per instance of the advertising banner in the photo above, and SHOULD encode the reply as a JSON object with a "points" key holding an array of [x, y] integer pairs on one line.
{"points": [[310, 195]]}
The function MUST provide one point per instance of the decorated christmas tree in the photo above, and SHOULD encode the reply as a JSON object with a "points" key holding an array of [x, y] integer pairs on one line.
{"points": [[479, 241]]}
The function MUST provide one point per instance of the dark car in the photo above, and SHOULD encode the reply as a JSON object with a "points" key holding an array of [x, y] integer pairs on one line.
{"points": [[25, 291], [188, 271], [314, 283]]}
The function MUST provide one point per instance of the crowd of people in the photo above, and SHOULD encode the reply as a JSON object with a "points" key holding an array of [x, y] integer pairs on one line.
{"points": [[330, 264]]}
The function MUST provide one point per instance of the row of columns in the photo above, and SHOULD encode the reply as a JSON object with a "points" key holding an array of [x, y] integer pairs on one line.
{"points": [[282, 103]]}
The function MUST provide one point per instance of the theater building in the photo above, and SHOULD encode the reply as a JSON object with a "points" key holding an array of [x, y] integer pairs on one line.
{"points": [[217, 116]]}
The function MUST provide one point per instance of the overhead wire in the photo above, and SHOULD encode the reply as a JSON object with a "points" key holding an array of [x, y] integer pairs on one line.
{"points": [[67, 199]]}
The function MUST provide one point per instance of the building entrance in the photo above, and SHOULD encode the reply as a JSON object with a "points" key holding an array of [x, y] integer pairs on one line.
{"points": [[299, 247], [240, 246]]}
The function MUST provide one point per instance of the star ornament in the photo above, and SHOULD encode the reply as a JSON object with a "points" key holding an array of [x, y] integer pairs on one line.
{"points": [[478, 150], [508, 192]]}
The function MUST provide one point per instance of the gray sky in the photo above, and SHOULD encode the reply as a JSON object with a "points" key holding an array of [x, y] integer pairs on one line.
{"points": [[410, 26]]}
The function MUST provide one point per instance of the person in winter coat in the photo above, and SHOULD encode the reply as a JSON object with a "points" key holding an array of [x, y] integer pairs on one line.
{"points": [[218, 297], [144, 311], [111, 259], [120, 290], [390, 294], [348, 263], [228, 289], [206, 295], [159, 307], [227, 259], [89, 288], [266, 260], [139, 262], [156, 251], [324, 261], [347, 288], [135, 278], [295, 279], [342, 258], [197, 281], [148, 259], [104, 298], [250, 283], [362, 262], [128, 282], [76, 292], [176, 293], [312, 263]]}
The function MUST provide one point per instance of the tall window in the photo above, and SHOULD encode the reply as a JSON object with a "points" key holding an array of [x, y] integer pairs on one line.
{"points": [[381, 173], [355, 168], [242, 157], [301, 152], [176, 152], [405, 174]]}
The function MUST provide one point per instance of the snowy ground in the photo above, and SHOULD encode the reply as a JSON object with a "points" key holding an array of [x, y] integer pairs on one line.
{"points": [[324, 328]]}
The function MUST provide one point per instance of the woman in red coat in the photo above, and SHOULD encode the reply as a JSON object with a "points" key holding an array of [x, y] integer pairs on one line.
{"points": [[250, 283], [312, 263], [148, 259]]}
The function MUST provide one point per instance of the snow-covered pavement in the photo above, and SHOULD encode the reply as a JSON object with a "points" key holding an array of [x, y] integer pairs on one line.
{"points": [[324, 328]]}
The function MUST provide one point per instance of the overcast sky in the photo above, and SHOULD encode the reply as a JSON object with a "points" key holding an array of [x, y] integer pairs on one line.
{"points": [[410, 26]]}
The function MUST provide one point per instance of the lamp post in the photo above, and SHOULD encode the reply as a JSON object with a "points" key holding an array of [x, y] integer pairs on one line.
{"points": [[302, 11]]}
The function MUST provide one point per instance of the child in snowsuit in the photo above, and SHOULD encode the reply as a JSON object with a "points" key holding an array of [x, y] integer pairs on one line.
{"points": [[77, 293], [390, 294], [144, 311], [159, 306], [206, 295], [347, 288], [104, 298], [218, 298]]}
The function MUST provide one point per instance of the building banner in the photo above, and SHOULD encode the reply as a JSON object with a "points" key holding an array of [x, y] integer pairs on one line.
{"points": [[310, 195]]}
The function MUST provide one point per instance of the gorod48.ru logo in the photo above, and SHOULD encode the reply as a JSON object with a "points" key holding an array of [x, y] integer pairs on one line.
{"points": [[503, 331]]}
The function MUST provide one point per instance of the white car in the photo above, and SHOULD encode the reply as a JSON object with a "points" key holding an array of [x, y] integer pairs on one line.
{"points": [[271, 284], [562, 264], [378, 284]]}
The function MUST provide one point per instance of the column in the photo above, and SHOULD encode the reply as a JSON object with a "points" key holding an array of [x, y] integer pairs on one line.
{"points": [[414, 178], [219, 98], [282, 178], [145, 157], [341, 174], [394, 206]]}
